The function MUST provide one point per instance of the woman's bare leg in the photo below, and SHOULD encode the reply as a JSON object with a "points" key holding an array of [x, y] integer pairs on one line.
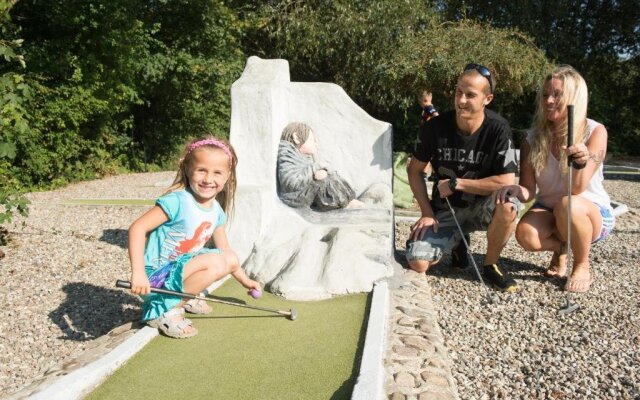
{"points": [[585, 228], [536, 232]]}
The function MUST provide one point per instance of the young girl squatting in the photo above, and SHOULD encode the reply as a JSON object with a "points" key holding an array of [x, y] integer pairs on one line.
{"points": [[166, 244]]}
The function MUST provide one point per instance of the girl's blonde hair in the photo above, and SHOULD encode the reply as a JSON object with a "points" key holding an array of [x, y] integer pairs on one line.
{"points": [[181, 181], [574, 91]]}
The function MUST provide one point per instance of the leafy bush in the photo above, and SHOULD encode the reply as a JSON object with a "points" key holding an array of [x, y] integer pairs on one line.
{"points": [[120, 84], [108, 86], [13, 117], [603, 47], [383, 53]]}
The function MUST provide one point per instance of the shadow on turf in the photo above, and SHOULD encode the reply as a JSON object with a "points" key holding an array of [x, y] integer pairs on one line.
{"points": [[118, 237], [229, 299], [91, 311], [196, 316]]}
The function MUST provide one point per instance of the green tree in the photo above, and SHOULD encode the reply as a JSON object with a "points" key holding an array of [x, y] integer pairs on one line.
{"points": [[120, 84], [14, 118], [382, 53], [187, 82], [597, 37]]}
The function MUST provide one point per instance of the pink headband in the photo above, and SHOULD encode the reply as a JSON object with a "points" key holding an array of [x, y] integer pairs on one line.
{"points": [[212, 142]]}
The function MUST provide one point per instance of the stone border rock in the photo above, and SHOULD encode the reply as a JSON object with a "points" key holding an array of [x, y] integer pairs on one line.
{"points": [[417, 362]]}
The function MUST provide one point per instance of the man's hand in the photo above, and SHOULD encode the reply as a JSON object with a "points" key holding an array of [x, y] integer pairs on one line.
{"points": [[421, 226], [444, 189], [502, 196]]}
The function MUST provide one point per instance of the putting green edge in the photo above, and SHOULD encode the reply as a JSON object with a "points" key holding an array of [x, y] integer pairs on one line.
{"points": [[109, 202]]}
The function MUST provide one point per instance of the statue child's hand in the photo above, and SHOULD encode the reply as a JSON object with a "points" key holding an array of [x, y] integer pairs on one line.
{"points": [[320, 174]]}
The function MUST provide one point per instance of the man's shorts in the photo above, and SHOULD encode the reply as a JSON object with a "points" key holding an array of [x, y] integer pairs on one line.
{"points": [[475, 218]]}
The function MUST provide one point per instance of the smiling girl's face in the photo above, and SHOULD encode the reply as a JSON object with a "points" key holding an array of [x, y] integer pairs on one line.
{"points": [[208, 174]]}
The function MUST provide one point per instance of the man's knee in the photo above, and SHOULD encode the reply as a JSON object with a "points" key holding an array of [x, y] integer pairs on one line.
{"points": [[422, 254], [505, 213], [419, 265]]}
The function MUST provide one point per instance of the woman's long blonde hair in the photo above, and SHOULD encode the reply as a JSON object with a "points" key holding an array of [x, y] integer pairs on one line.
{"points": [[181, 181], [574, 91]]}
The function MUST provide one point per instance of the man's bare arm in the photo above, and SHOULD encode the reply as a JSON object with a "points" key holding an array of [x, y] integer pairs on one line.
{"points": [[418, 186], [485, 186]]}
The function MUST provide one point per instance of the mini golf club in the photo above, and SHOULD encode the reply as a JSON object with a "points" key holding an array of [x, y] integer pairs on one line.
{"points": [[491, 298], [569, 307], [292, 314]]}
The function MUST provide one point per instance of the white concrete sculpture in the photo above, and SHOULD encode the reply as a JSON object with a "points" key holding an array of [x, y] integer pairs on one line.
{"points": [[305, 254]]}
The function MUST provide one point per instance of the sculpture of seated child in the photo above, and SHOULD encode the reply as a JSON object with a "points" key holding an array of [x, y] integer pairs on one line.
{"points": [[302, 182]]}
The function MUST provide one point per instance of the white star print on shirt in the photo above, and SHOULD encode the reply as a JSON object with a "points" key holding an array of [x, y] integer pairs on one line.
{"points": [[509, 155]]}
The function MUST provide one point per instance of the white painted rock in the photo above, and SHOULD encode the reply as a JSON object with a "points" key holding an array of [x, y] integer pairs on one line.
{"points": [[304, 254]]}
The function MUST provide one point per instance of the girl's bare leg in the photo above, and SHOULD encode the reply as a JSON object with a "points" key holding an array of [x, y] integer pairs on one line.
{"points": [[202, 270]]}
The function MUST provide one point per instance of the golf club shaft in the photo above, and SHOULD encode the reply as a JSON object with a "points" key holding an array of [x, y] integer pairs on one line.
{"points": [[127, 285], [569, 187], [455, 219]]}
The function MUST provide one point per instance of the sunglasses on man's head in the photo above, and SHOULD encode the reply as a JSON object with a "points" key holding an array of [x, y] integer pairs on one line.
{"points": [[482, 70]]}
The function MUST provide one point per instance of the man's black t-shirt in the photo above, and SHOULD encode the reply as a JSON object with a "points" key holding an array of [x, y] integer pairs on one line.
{"points": [[487, 152]]}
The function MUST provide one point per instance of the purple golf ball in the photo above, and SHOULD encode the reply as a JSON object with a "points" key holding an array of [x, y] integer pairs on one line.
{"points": [[255, 293]]}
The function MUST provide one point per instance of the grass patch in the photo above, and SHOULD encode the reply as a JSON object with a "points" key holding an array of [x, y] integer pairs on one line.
{"points": [[248, 354], [110, 202]]}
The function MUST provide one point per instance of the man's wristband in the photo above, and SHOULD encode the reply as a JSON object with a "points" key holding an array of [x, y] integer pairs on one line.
{"points": [[453, 182]]}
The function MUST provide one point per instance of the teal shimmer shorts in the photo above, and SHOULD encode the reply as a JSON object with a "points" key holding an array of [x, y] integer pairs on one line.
{"points": [[167, 277]]}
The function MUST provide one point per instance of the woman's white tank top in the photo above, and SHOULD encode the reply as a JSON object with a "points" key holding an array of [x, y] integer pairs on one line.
{"points": [[552, 186]]}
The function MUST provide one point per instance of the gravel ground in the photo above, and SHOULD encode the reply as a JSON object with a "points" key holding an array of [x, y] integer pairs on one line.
{"points": [[57, 290], [57, 277], [519, 348]]}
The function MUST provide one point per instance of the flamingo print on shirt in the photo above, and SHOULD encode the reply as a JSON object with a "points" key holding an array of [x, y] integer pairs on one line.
{"points": [[200, 237]]}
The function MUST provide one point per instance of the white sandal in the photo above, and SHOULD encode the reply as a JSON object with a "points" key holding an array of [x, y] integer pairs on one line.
{"points": [[174, 325], [197, 306]]}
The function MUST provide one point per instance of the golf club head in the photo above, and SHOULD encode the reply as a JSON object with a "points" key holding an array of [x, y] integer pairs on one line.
{"points": [[490, 298], [293, 315], [568, 308]]}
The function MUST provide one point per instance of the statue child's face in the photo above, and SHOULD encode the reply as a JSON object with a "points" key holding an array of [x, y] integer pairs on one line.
{"points": [[310, 146]]}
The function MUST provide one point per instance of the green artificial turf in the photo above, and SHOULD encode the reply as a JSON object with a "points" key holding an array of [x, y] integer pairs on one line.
{"points": [[249, 354], [110, 202]]}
